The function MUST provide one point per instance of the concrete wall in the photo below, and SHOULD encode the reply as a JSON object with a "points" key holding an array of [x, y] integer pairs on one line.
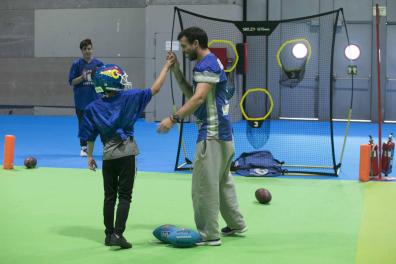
{"points": [[39, 40]]}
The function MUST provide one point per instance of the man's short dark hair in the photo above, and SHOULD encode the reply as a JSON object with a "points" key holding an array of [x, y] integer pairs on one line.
{"points": [[84, 43], [195, 33]]}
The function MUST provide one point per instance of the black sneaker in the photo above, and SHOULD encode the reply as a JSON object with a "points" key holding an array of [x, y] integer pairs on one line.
{"points": [[116, 240], [227, 231], [107, 240]]}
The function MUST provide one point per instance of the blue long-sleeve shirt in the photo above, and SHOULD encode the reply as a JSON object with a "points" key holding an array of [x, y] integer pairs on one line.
{"points": [[115, 115], [84, 92]]}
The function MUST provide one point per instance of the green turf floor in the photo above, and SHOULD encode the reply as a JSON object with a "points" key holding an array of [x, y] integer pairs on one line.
{"points": [[55, 216]]}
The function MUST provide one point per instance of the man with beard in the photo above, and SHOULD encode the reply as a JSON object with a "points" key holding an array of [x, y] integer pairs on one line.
{"points": [[213, 189]]}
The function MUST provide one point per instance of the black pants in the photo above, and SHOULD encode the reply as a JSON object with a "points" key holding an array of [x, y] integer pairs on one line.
{"points": [[80, 114], [118, 178]]}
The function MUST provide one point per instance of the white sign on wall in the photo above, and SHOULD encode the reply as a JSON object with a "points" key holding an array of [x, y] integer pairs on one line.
{"points": [[175, 45], [382, 11]]}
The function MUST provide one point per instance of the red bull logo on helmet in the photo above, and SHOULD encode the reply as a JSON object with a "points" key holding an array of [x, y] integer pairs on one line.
{"points": [[113, 73]]}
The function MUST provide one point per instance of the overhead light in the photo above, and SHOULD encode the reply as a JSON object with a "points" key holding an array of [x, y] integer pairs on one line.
{"points": [[352, 52], [300, 51]]}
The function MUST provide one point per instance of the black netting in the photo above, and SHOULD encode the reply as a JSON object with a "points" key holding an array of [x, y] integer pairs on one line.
{"points": [[299, 128]]}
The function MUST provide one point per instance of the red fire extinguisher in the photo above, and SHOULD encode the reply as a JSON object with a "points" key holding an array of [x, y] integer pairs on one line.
{"points": [[387, 155], [374, 170]]}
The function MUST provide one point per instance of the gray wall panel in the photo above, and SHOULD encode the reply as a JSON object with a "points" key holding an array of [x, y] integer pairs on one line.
{"points": [[356, 10], [56, 4], [361, 99], [390, 99], [194, 2], [17, 33], [35, 82], [292, 8], [256, 10], [390, 93], [44, 81], [391, 10], [391, 58], [359, 34], [116, 32]]}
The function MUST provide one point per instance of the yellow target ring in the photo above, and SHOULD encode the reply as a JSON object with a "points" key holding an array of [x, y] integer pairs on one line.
{"points": [[287, 42], [263, 90], [213, 41]]}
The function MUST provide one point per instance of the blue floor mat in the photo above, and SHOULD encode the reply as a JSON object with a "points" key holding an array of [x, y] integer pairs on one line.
{"points": [[53, 141]]}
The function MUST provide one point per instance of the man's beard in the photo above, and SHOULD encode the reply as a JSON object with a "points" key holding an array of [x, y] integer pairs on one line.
{"points": [[192, 56]]}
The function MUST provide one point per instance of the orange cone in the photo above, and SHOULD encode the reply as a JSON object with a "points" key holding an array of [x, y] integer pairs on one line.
{"points": [[9, 147], [364, 171]]}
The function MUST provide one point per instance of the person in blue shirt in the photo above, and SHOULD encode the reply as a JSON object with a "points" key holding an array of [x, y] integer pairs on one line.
{"points": [[213, 189], [83, 88], [112, 117]]}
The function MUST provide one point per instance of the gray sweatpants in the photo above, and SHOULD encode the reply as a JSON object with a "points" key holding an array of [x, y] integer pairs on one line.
{"points": [[213, 188]]}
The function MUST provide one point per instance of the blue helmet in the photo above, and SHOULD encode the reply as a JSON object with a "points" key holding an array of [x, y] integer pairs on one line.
{"points": [[110, 77]]}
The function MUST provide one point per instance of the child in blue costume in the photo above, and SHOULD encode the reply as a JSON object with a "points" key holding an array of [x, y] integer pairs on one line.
{"points": [[113, 117]]}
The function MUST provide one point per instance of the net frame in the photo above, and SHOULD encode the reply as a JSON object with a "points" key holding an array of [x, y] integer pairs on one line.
{"points": [[336, 166]]}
